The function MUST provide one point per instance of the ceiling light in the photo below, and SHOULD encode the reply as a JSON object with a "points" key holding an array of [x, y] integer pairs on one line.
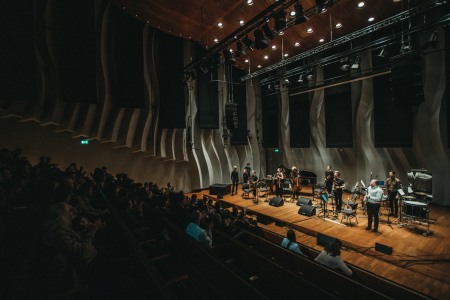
{"points": [[309, 30], [274, 47], [246, 60], [241, 22], [338, 25], [286, 55], [300, 15], [356, 62], [216, 40], [292, 13], [383, 53], [300, 78], [361, 4], [281, 32], [249, 2], [371, 19], [297, 44], [266, 57], [259, 66], [220, 25], [322, 40]]}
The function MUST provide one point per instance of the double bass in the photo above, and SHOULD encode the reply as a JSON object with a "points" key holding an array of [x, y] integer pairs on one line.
{"points": [[296, 180]]}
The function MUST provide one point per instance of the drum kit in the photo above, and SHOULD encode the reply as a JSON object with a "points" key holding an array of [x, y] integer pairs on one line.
{"points": [[414, 209]]}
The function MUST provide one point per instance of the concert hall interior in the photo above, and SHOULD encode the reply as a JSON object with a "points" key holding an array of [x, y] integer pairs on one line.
{"points": [[186, 92]]}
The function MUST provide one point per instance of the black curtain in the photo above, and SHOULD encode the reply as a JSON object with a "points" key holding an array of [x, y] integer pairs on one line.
{"points": [[128, 82], [169, 69], [18, 69], [239, 136], [338, 116], [300, 132], [270, 120]]}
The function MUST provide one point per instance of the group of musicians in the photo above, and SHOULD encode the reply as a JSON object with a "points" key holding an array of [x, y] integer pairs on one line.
{"points": [[334, 185]]}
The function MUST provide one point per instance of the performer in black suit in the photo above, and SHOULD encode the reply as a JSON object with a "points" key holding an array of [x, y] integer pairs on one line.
{"points": [[279, 178], [329, 179], [253, 180], [338, 186], [234, 180]]}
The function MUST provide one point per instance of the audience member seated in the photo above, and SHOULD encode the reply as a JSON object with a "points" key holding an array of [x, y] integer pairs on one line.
{"points": [[197, 233], [331, 258], [290, 242]]}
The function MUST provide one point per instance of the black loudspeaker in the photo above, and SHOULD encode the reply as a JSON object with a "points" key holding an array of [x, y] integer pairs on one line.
{"points": [[276, 201], [231, 115], [307, 210], [302, 201], [263, 219], [383, 248], [406, 77]]}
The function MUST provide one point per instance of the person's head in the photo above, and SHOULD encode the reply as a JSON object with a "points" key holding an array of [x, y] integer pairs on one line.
{"points": [[337, 174], [62, 213], [373, 182], [248, 164], [235, 168], [392, 174], [254, 172], [279, 170], [334, 248], [290, 235], [196, 216], [328, 168], [294, 169]]}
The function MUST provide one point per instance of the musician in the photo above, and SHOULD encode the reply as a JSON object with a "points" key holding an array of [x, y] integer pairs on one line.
{"points": [[392, 186], [373, 197], [329, 179], [338, 186], [234, 180], [296, 181], [253, 182], [279, 178], [247, 167], [245, 176]]}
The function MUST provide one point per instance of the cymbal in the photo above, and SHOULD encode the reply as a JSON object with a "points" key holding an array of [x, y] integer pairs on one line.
{"points": [[420, 193], [409, 197]]}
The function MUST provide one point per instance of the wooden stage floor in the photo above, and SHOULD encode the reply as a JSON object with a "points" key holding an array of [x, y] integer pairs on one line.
{"points": [[419, 262]]}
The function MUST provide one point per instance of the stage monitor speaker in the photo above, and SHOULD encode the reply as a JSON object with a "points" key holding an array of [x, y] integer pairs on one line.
{"points": [[263, 219], [324, 240], [276, 201], [406, 76], [302, 201], [383, 248], [307, 210]]}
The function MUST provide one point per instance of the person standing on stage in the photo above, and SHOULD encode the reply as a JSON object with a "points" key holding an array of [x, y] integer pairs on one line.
{"points": [[373, 197], [247, 167], [245, 176], [296, 182], [279, 178], [392, 186], [234, 180], [338, 186], [329, 179], [253, 182]]}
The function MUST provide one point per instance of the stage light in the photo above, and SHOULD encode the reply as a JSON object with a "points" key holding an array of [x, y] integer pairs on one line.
{"points": [[300, 78], [320, 6], [280, 20], [383, 53], [268, 32], [228, 56], [356, 62], [260, 41], [239, 49], [247, 42], [299, 14]]}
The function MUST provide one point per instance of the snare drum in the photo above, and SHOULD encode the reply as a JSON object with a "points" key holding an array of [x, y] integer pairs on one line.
{"points": [[415, 209]]}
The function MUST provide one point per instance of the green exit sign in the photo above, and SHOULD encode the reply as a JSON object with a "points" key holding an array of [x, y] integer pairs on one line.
{"points": [[84, 142], [276, 150]]}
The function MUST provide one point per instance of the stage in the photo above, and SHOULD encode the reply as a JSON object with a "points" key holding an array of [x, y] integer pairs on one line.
{"points": [[420, 258]]}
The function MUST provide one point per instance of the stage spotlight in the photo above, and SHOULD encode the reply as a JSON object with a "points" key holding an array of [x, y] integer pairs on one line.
{"points": [[247, 42], [321, 6], [432, 41], [345, 64], [299, 14], [260, 41], [300, 78], [239, 49], [383, 53], [356, 62], [228, 56], [268, 32], [280, 20]]}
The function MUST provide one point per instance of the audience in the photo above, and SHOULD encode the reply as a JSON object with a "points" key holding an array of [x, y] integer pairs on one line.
{"points": [[331, 258], [197, 233], [290, 242]]}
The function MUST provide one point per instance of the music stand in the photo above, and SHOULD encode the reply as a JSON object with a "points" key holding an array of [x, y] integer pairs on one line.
{"points": [[324, 211]]}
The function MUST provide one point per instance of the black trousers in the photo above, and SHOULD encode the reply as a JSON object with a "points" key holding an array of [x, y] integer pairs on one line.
{"points": [[393, 202], [373, 210], [234, 188], [338, 199]]}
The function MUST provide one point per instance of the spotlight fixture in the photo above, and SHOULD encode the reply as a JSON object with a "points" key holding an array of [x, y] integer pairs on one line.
{"points": [[299, 13], [383, 53], [338, 25], [266, 57], [280, 20], [228, 56], [356, 62], [216, 40], [320, 6], [345, 65], [300, 78], [432, 41], [260, 41], [267, 31], [269, 88], [241, 22], [274, 47], [286, 55], [247, 42], [240, 49], [321, 40]]}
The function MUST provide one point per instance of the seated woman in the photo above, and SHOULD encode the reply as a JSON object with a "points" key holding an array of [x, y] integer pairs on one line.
{"points": [[290, 243], [331, 258]]}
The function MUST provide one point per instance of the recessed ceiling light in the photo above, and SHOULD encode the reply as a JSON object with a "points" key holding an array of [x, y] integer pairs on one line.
{"points": [[309, 30], [241, 22], [281, 32], [297, 44], [266, 57], [249, 2], [286, 55], [220, 25], [246, 60], [361, 4], [338, 25], [274, 47], [371, 19], [216, 40], [231, 50], [292, 13], [321, 40], [259, 66]]}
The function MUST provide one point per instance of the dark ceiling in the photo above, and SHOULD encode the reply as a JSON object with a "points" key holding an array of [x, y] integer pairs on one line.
{"points": [[198, 20]]}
